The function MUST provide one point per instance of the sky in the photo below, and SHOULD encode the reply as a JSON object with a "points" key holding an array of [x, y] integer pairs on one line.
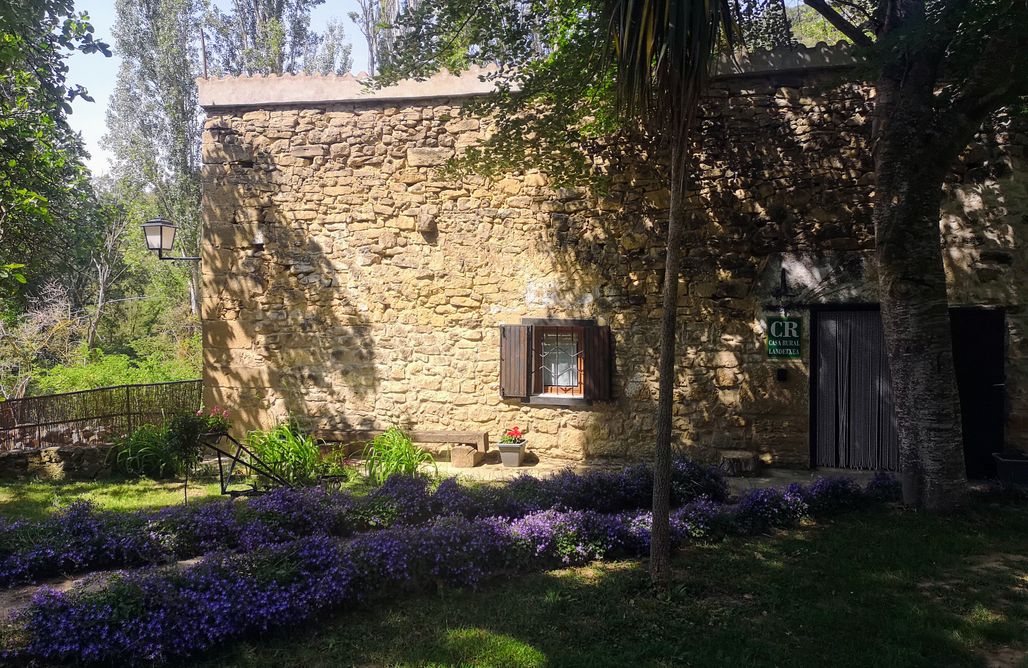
{"points": [[98, 74]]}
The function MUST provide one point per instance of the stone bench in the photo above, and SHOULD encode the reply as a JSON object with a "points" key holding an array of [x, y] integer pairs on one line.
{"points": [[477, 439]]}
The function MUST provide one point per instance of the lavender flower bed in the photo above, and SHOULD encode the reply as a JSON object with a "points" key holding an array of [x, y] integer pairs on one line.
{"points": [[82, 539], [156, 615]]}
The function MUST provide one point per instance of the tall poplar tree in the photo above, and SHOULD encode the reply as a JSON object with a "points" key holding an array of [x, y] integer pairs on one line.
{"points": [[263, 36], [154, 121]]}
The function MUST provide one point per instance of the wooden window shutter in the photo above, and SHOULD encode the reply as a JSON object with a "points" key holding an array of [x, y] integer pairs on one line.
{"points": [[599, 362], [515, 357]]}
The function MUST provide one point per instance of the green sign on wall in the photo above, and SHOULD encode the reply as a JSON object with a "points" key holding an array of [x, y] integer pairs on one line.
{"points": [[783, 337]]}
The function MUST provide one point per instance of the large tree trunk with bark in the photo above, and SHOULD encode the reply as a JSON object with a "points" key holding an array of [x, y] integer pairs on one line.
{"points": [[912, 156], [660, 535]]}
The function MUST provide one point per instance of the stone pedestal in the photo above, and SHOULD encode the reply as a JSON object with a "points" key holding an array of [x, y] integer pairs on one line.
{"points": [[740, 463], [465, 457]]}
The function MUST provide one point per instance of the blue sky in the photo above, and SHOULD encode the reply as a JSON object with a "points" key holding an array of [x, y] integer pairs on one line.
{"points": [[98, 74]]}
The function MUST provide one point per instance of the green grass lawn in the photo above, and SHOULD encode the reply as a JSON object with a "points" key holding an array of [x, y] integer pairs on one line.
{"points": [[36, 499], [884, 588]]}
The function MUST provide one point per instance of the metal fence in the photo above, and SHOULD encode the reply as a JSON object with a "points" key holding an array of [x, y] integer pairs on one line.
{"points": [[92, 416]]}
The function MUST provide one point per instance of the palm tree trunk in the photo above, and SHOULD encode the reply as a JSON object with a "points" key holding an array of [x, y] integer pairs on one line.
{"points": [[910, 167], [660, 535]]}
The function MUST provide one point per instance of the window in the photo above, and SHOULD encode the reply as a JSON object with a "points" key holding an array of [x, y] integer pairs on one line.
{"points": [[557, 362]]}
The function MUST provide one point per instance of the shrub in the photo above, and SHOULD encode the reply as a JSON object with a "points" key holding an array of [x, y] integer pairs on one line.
{"points": [[151, 616], [77, 538], [884, 487], [290, 454], [289, 514], [168, 451], [400, 499], [184, 445], [827, 496], [691, 480], [761, 510], [85, 539], [701, 519], [147, 451], [154, 616], [393, 453]]}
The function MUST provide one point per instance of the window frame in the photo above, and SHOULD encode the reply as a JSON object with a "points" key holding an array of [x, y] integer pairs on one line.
{"points": [[539, 326], [562, 391]]}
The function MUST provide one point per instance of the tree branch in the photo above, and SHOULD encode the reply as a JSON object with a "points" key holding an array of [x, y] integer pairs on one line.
{"points": [[997, 78], [839, 22]]}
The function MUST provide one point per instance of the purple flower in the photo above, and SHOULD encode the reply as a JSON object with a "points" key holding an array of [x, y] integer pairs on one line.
{"points": [[761, 510], [159, 614], [829, 496]]}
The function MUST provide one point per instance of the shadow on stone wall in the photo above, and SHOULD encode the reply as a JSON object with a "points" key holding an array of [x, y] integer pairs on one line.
{"points": [[789, 188], [784, 180], [283, 336], [781, 183], [983, 222]]}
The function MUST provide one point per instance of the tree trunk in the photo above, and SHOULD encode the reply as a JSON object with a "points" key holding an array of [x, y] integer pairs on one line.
{"points": [[194, 289], [660, 535], [94, 322], [910, 165]]}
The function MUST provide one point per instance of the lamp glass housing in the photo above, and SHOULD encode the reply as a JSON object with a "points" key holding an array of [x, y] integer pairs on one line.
{"points": [[160, 234]]}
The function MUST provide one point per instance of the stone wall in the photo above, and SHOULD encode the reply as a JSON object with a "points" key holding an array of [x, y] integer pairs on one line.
{"points": [[346, 282], [64, 462]]}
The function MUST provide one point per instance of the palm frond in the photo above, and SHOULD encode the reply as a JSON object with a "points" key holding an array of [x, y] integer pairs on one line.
{"points": [[663, 52]]}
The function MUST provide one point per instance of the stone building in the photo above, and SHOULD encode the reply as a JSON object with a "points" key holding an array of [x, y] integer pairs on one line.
{"points": [[349, 283]]}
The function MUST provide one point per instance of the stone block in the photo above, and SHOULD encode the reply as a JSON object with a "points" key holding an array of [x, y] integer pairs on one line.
{"points": [[465, 457], [428, 157], [313, 151], [740, 462]]}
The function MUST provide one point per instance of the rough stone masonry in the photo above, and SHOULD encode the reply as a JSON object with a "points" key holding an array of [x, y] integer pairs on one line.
{"points": [[349, 284]]}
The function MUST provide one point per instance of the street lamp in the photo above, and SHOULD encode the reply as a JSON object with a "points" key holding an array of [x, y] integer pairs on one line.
{"points": [[160, 237]]}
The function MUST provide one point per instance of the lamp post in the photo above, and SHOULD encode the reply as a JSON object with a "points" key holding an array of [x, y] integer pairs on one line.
{"points": [[160, 237]]}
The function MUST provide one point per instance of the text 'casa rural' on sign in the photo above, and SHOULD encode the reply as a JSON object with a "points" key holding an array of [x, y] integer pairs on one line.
{"points": [[783, 337]]}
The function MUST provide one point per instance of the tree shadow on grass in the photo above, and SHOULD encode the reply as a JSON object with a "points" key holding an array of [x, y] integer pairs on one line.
{"points": [[35, 500], [877, 588]]}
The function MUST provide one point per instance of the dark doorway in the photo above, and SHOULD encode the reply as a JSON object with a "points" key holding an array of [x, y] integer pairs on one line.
{"points": [[979, 353], [853, 424]]}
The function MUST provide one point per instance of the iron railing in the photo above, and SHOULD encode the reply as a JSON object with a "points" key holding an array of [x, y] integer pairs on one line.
{"points": [[92, 416]]}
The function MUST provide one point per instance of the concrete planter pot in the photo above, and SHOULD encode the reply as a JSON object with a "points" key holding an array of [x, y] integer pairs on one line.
{"points": [[512, 454], [1011, 467]]}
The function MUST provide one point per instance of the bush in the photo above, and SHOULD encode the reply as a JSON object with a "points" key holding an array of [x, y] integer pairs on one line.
{"points": [[74, 539], [393, 453], [761, 510], [884, 487], [290, 454], [168, 451], [828, 496], [701, 519], [93, 369], [147, 451], [82, 538], [691, 480], [152, 617], [286, 514], [294, 570]]}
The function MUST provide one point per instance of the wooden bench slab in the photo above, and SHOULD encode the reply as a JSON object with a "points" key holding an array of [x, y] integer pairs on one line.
{"points": [[478, 439]]}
